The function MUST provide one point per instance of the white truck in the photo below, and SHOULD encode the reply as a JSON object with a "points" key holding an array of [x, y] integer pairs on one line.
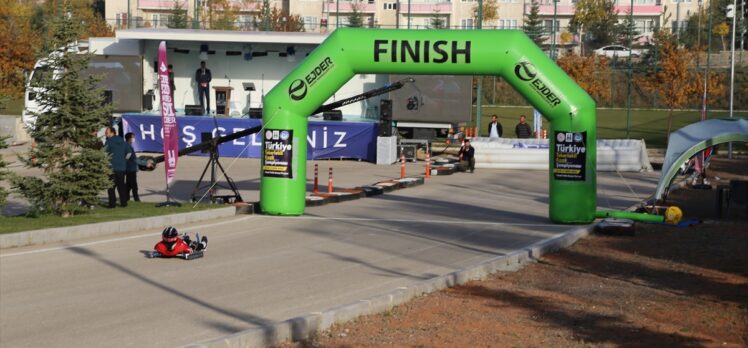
{"points": [[121, 78]]}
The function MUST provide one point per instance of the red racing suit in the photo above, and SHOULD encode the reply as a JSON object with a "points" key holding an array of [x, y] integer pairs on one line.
{"points": [[173, 248]]}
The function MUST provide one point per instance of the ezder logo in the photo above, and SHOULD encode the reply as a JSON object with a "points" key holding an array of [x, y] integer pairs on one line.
{"points": [[298, 88], [527, 72]]}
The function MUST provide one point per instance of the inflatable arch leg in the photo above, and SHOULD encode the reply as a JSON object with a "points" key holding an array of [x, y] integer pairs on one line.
{"points": [[506, 53]]}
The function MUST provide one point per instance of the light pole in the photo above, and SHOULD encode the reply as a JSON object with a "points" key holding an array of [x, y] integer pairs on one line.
{"points": [[628, 80], [553, 38], [732, 69], [337, 14], [408, 14], [479, 91]]}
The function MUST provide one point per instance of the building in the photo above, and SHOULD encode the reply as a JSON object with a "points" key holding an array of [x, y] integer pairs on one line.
{"points": [[325, 15]]}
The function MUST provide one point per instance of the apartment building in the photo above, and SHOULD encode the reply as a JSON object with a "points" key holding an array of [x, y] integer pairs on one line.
{"points": [[325, 15]]}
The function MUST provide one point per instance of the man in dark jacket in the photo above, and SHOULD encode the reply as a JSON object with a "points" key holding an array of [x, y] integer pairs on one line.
{"points": [[494, 128], [131, 173], [203, 78], [117, 150], [523, 129], [467, 157]]}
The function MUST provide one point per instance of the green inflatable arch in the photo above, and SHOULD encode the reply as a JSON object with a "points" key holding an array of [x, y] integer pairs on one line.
{"points": [[506, 53]]}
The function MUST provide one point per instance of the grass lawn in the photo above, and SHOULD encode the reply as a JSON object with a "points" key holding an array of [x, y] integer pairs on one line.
{"points": [[650, 125], [13, 107], [100, 214]]}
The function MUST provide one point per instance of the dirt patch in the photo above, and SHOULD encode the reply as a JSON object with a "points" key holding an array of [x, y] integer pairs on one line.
{"points": [[666, 286]]}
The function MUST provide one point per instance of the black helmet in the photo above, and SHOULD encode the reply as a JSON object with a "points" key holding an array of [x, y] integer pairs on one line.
{"points": [[169, 233]]}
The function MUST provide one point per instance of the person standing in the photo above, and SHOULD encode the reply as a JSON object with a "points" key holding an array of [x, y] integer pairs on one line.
{"points": [[523, 129], [467, 155], [203, 78], [117, 150], [131, 172], [171, 81], [494, 128]]}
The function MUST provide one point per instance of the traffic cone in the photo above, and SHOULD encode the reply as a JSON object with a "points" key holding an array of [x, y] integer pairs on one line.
{"points": [[316, 179], [428, 165], [329, 182], [402, 163]]}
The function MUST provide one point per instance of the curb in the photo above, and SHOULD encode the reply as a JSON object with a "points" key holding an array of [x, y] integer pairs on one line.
{"points": [[302, 327], [62, 234]]}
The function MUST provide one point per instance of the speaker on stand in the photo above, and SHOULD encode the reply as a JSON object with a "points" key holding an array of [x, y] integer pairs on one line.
{"points": [[385, 118]]}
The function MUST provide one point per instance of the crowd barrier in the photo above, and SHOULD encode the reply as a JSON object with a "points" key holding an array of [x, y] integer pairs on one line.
{"points": [[627, 155]]}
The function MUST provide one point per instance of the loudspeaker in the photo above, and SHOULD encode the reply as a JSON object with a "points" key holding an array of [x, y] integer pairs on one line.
{"points": [[385, 118], [193, 110], [255, 112], [333, 115], [148, 101], [108, 97], [204, 138]]}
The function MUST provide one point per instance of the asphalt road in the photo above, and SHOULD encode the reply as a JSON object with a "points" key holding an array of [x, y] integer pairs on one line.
{"points": [[260, 269]]}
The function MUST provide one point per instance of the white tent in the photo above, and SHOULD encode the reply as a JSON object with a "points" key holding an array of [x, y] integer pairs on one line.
{"points": [[694, 138]]}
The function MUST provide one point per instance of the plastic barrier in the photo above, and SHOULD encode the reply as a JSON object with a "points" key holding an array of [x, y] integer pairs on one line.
{"points": [[626, 155]]}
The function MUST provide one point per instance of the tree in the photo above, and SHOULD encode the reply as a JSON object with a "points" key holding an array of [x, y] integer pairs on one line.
{"points": [[590, 72], [533, 25], [75, 167], [437, 22], [671, 78], [179, 18], [356, 18], [19, 43], [220, 15], [490, 11], [722, 29], [274, 19], [598, 17], [627, 32]]}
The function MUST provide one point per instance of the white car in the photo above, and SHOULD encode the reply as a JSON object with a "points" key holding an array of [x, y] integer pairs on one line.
{"points": [[613, 51]]}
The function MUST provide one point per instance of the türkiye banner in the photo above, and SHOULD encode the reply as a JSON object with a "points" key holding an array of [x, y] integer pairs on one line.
{"points": [[325, 139], [168, 117]]}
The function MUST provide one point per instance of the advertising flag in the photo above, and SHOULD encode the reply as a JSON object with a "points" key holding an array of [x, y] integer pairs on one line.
{"points": [[168, 116]]}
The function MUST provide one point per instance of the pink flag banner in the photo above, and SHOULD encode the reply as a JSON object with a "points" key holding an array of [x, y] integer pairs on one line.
{"points": [[168, 116]]}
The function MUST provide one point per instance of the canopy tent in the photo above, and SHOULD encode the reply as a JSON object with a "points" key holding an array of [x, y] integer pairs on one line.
{"points": [[694, 138]]}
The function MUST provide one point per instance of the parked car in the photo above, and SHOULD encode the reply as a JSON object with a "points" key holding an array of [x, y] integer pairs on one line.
{"points": [[613, 51]]}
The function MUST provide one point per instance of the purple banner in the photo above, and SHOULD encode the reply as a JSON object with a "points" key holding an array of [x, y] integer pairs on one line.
{"points": [[168, 117], [325, 139]]}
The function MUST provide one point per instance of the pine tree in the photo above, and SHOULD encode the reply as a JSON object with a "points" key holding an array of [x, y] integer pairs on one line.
{"points": [[627, 32], [178, 19], [76, 168], [533, 25], [437, 22], [355, 19]]}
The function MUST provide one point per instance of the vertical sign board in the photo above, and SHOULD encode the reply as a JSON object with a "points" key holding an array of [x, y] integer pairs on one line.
{"points": [[278, 153], [570, 161]]}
